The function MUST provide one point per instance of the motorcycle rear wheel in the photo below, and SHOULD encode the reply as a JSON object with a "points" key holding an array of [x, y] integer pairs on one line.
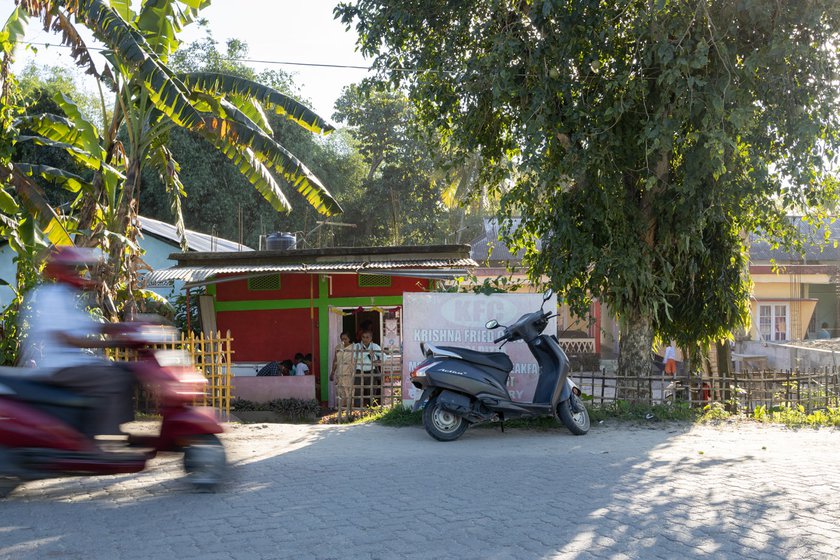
{"points": [[577, 422], [441, 424], [205, 462]]}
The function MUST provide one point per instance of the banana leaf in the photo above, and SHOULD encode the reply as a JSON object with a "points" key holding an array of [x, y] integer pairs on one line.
{"points": [[223, 84]]}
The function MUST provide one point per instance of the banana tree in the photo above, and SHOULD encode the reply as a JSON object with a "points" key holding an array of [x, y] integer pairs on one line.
{"points": [[150, 100]]}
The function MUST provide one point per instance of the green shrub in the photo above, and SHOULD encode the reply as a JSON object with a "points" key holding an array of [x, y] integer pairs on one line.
{"points": [[714, 412]]}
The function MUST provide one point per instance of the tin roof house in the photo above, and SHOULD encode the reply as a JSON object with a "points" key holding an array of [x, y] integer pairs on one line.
{"points": [[277, 303]]}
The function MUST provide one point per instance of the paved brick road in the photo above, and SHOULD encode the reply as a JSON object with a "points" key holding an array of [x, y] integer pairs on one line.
{"points": [[373, 492]]}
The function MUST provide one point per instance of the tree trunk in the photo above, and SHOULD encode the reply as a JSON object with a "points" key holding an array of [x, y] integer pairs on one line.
{"points": [[724, 370], [634, 359]]}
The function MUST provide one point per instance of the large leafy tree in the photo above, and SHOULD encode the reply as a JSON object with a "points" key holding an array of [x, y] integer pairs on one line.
{"points": [[647, 136], [401, 199], [151, 100]]}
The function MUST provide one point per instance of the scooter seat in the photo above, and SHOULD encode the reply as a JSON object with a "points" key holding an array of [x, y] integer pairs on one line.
{"points": [[40, 392], [497, 360]]}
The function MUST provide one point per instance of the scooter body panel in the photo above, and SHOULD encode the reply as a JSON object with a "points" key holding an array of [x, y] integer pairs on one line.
{"points": [[465, 377], [23, 425], [182, 424]]}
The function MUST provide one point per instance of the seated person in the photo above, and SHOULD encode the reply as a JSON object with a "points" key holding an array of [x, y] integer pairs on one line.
{"points": [[286, 367], [300, 366]]}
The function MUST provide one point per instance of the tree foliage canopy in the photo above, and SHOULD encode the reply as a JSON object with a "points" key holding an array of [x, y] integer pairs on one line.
{"points": [[639, 140]]}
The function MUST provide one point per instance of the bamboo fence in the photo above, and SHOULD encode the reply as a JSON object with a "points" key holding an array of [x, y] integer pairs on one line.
{"points": [[811, 389], [210, 354]]}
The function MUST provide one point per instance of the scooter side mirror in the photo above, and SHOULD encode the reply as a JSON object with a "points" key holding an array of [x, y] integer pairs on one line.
{"points": [[547, 295], [491, 324]]}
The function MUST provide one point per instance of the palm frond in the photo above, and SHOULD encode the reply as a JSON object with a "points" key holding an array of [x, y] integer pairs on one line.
{"points": [[35, 202], [123, 7], [71, 38], [274, 155], [169, 170], [161, 21], [252, 109], [128, 47], [65, 179], [223, 84], [257, 173]]}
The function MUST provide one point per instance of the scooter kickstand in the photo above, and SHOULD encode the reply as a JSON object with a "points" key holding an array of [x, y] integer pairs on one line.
{"points": [[502, 422]]}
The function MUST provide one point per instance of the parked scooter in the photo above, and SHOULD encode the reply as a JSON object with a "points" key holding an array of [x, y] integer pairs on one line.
{"points": [[41, 433], [463, 387]]}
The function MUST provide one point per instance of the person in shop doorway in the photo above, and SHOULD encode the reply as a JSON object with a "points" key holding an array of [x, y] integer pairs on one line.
{"points": [[670, 359], [367, 381], [342, 374], [366, 325]]}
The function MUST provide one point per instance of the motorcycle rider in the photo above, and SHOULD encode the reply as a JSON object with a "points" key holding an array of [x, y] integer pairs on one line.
{"points": [[59, 333]]}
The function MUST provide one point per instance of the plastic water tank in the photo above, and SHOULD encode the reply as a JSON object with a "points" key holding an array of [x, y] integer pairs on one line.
{"points": [[280, 241]]}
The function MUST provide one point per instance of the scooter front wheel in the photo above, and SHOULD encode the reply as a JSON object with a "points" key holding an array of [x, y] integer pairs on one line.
{"points": [[577, 422], [205, 462], [442, 424]]}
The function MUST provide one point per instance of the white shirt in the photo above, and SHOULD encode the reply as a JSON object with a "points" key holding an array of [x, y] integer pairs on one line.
{"points": [[670, 353], [301, 369], [55, 309], [365, 355]]}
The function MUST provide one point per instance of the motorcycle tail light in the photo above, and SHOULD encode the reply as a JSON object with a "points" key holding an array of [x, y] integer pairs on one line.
{"points": [[420, 370]]}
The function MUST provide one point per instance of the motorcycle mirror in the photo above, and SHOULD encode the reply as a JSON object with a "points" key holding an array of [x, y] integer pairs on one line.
{"points": [[491, 324], [547, 295]]}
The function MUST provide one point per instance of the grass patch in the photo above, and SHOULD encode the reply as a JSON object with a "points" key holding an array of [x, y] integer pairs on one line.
{"points": [[627, 411], [397, 417], [620, 411]]}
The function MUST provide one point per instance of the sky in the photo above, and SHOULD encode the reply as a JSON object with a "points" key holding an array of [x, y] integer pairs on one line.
{"points": [[299, 31]]}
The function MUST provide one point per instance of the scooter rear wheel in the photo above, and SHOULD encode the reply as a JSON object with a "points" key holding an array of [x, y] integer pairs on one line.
{"points": [[442, 424], [205, 462], [576, 422]]}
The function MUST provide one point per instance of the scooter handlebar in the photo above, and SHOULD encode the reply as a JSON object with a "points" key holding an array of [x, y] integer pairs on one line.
{"points": [[501, 338]]}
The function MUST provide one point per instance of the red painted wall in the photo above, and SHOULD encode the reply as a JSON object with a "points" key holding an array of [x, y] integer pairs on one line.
{"points": [[271, 335], [347, 285], [292, 286], [266, 335]]}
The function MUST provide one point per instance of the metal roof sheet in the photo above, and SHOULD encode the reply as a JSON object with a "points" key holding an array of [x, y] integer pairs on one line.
{"points": [[437, 268], [196, 240]]}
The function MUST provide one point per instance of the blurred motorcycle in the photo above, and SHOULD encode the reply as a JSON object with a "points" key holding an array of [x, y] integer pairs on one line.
{"points": [[41, 425]]}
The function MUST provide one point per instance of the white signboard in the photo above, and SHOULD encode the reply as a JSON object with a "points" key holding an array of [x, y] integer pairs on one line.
{"points": [[458, 320]]}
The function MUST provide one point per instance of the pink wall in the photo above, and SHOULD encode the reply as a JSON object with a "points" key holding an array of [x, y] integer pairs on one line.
{"points": [[264, 389]]}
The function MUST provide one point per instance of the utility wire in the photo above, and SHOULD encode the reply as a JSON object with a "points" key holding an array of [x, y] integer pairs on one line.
{"points": [[248, 60]]}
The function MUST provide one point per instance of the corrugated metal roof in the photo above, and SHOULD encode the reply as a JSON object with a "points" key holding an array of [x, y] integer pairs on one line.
{"points": [[437, 268], [197, 241]]}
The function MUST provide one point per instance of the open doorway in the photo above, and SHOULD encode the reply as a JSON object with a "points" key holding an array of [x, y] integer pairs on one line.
{"points": [[366, 319]]}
